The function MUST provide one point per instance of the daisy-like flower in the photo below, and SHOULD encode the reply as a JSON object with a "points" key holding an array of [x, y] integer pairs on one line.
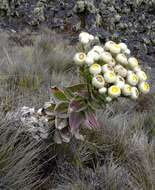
{"points": [[98, 49], [108, 99], [106, 68], [134, 93], [95, 69], [115, 49], [120, 82], [98, 81], [112, 62], [120, 70], [133, 62], [94, 54], [121, 58], [106, 57], [126, 90], [79, 58], [144, 87], [114, 91], [89, 60], [132, 79], [109, 44], [110, 77], [103, 90], [123, 46], [141, 75]]}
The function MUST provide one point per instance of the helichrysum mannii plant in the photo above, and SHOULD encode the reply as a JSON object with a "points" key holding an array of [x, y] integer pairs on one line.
{"points": [[105, 72]]}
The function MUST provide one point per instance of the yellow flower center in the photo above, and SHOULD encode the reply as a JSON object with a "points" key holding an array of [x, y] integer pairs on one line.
{"points": [[116, 46], [111, 75], [146, 86], [129, 88], [81, 56], [114, 89], [95, 66], [99, 78], [134, 78]]}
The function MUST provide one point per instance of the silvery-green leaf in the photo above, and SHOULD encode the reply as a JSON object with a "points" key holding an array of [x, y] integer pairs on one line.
{"points": [[57, 138], [58, 94], [75, 120], [60, 123]]}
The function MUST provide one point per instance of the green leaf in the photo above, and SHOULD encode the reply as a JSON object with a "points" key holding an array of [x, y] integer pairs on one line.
{"points": [[61, 109], [58, 94], [77, 87], [49, 108]]}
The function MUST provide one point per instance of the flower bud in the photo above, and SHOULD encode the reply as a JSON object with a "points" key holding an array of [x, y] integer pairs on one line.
{"points": [[106, 57], [120, 82], [134, 93], [102, 90], [141, 75], [133, 62], [120, 70], [121, 58], [98, 81]]}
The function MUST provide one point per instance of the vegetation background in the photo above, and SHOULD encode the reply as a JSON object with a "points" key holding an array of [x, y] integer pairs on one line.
{"points": [[37, 44]]}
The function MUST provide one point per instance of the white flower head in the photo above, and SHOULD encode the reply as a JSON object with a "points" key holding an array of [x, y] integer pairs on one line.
{"points": [[133, 62], [107, 67], [84, 37], [144, 87], [98, 81], [89, 60], [141, 75], [134, 93], [132, 79], [123, 46], [120, 70], [98, 49], [110, 77], [122, 59], [106, 57], [109, 44], [79, 58], [108, 99], [95, 69], [91, 37], [120, 82], [103, 90], [126, 90], [115, 49], [94, 54], [114, 91]]}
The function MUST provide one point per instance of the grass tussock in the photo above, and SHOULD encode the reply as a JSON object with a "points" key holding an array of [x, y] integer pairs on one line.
{"points": [[119, 156]]}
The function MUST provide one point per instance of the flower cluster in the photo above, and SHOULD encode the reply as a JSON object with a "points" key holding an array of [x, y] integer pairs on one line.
{"points": [[114, 72]]}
